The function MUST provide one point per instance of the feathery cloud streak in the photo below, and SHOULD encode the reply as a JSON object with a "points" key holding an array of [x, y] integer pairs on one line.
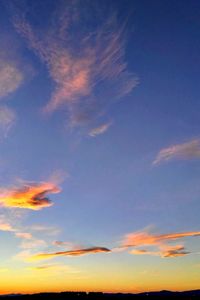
{"points": [[89, 72], [186, 150], [10, 77], [53, 267], [141, 239], [29, 196], [166, 251], [145, 238], [77, 252], [100, 130], [7, 118], [24, 235], [4, 226]]}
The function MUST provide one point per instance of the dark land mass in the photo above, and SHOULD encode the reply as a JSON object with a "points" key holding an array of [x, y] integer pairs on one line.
{"points": [[106, 296]]}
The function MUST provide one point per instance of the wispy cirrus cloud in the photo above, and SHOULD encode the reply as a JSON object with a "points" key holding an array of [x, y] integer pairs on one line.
{"points": [[32, 244], [7, 119], [145, 240], [187, 150], [5, 226], [77, 252], [53, 268], [174, 251], [100, 129], [90, 72], [44, 229], [24, 235], [28, 196], [63, 244], [165, 251], [11, 77]]}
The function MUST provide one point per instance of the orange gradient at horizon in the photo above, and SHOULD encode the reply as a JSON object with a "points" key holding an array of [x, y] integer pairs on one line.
{"points": [[99, 278], [29, 196]]}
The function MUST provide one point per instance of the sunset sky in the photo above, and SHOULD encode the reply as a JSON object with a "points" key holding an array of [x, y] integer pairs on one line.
{"points": [[99, 145]]}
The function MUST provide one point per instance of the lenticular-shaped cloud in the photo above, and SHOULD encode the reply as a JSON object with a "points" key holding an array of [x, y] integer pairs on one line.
{"points": [[77, 252], [89, 72], [186, 150], [28, 196]]}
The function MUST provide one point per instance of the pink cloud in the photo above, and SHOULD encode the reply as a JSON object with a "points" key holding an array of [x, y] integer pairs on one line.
{"points": [[78, 67], [186, 150]]}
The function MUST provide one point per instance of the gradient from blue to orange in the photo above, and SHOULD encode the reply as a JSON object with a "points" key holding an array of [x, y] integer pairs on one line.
{"points": [[99, 106]]}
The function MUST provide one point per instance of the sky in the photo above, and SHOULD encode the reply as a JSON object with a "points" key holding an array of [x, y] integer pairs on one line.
{"points": [[99, 145]]}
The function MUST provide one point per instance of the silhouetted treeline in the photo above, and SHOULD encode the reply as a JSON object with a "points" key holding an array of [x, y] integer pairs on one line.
{"points": [[105, 296]]}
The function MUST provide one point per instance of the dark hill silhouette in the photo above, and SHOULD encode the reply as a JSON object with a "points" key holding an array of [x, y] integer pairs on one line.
{"points": [[194, 295]]}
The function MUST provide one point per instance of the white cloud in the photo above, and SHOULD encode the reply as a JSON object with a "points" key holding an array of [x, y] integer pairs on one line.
{"points": [[11, 77], [100, 130], [187, 150]]}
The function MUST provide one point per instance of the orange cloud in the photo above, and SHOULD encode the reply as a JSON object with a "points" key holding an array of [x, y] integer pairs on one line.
{"points": [[145, 238], [77, 252], [166, 251], [186, 150], [29, 196], [141, 239], [174, 251]]}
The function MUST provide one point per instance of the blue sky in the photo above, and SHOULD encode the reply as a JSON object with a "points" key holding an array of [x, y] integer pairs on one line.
{"points": [[100, 113]]}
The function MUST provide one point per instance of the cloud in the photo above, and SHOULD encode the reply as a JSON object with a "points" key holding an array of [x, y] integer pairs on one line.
{"points": [[186, 150], [174, 251], [51, 268], [145, 238], [166, 251], [24, 235], [29, 196], [11, 77], [141, 239], [61, 243], [32, 243], [99, 130], [7, 118], [4, 226], [77, 252], [89, 72], [47, 230]]}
